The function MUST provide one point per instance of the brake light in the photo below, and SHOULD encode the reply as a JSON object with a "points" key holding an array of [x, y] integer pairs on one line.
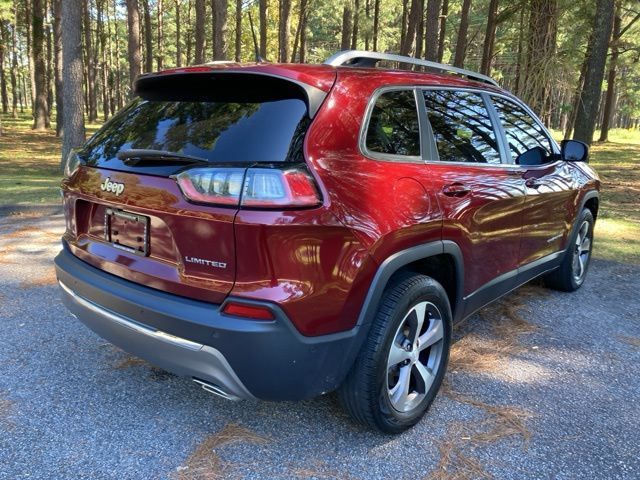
{"points": [[252, 187], [266, 187], [248, 311]]}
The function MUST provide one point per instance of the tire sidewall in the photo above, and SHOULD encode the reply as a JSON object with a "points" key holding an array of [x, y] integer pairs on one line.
{"points": [[428, 291], [588, 216]]}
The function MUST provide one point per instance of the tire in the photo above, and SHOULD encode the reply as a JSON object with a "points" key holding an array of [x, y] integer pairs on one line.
{"points": [[394, 379], [573, 270]]}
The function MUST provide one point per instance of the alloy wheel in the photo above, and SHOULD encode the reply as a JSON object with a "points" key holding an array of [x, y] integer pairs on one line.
{"points": [[581, 252], [414, 356]]}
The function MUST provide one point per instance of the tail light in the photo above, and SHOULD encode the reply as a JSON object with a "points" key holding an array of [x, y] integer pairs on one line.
{"points": [[219, 186], [251, 187]]}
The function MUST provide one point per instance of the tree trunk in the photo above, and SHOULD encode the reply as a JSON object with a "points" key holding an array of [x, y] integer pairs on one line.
{"points": [[299, 43], [376, 24], [74, 134], [188, 34], [14, 64], [264, 12], [238, 33], [346, 27], [4, 94], [160, 39], [57, 42], [489, 38], [40, 120], [433, 19], [284, 28], [148, 37], [420, 35], [541, 49], [30, 67], [611, 77], [413, 23], [576, 99], [104, 75], [304, 7], [356, 26], [403, 25], [200, 13], [520, 53], [118, 88], [219, 10], [49, 35], [90, 66], [133, 22], [461, 42], [178, 32], [443, 29], [590, 96], [367, 16]]}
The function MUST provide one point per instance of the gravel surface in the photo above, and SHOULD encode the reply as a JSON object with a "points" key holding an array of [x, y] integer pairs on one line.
{"points": [[541, 385]]}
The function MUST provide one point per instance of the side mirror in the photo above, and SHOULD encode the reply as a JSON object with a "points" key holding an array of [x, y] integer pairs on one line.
{"points": [[574, 151], [533, 156]]}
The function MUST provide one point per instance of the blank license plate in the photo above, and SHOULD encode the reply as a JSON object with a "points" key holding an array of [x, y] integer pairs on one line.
{"points": [[127, 231]]}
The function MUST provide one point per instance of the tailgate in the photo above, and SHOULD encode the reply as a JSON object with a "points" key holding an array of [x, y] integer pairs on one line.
{"points": [[186, 249]]}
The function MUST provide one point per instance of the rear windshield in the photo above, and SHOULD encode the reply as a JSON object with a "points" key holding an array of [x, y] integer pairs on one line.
{"points": [[217, 131]]}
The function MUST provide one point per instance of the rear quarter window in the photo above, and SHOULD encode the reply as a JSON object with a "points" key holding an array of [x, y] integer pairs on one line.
{"points": [[393, 129]]}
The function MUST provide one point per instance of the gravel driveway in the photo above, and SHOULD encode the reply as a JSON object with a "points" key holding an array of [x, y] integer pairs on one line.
{"points": [[541, 385]]}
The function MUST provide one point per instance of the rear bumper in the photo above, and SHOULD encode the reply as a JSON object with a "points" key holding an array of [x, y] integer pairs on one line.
{"points": [[245, 359]]}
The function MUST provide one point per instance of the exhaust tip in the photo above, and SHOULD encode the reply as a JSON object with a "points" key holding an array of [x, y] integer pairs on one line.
{"points": [[215, 390]]}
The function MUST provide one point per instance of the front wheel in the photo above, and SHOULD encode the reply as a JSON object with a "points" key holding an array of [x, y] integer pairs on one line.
{"points": [[573, 270], [402, 363]]}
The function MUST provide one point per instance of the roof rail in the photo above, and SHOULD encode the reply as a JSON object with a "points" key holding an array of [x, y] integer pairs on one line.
{"points": [[361, 58]]}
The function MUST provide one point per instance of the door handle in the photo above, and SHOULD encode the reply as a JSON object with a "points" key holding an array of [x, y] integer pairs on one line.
{"points": [[456, 190], [532, 183]]}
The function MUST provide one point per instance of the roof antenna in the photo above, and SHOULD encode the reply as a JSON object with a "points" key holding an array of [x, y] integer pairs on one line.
{"points": [[259, 59]]}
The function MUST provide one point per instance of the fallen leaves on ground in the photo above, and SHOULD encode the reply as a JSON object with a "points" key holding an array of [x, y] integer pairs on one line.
{"points": [[486, 352], [46, 279], [633, 341], [205, 464]]}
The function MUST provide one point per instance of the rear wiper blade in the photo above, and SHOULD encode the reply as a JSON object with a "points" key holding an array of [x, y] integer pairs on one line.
{"points": [[141, 154]]}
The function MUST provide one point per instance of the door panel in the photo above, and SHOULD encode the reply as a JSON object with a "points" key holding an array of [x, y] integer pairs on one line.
{"points": [[549, 187], [480, 197], [546, 213], [486, 222]]}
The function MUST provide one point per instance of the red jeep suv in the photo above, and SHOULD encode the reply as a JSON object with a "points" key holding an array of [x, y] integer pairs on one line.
{"points": [[279, 231]]}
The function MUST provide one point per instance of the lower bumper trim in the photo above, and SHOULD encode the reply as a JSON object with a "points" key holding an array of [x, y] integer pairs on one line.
{"points": [[206, 365]]}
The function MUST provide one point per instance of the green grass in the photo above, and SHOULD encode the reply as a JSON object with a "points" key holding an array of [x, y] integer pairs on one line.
{"points": [[29, 163], [29, 175], [617, 235]]}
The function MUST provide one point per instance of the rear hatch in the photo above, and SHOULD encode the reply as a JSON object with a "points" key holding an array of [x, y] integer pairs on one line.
{"points": [[159, 185]]}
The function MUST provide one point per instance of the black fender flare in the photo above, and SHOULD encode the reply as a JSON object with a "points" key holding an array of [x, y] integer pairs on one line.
{"points": [[586, 197], [404, 257]]}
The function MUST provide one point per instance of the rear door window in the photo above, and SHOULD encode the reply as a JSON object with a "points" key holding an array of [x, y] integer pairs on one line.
{"points": [[461, 127], [522, 130], [393, 129]]}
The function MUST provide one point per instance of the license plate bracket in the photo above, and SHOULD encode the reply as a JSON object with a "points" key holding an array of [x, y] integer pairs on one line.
{"points": [[127, 231]]}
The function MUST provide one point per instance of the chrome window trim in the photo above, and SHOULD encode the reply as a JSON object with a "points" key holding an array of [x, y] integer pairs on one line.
{"points": [[427, 145], [362, 137]]}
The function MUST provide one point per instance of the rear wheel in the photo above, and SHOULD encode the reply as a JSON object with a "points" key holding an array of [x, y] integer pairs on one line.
{"points": [[573, 270], [402, 363]]}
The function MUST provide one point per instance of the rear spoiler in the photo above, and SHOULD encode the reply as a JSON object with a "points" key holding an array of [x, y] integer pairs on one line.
{"points": [[228, 86]]}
